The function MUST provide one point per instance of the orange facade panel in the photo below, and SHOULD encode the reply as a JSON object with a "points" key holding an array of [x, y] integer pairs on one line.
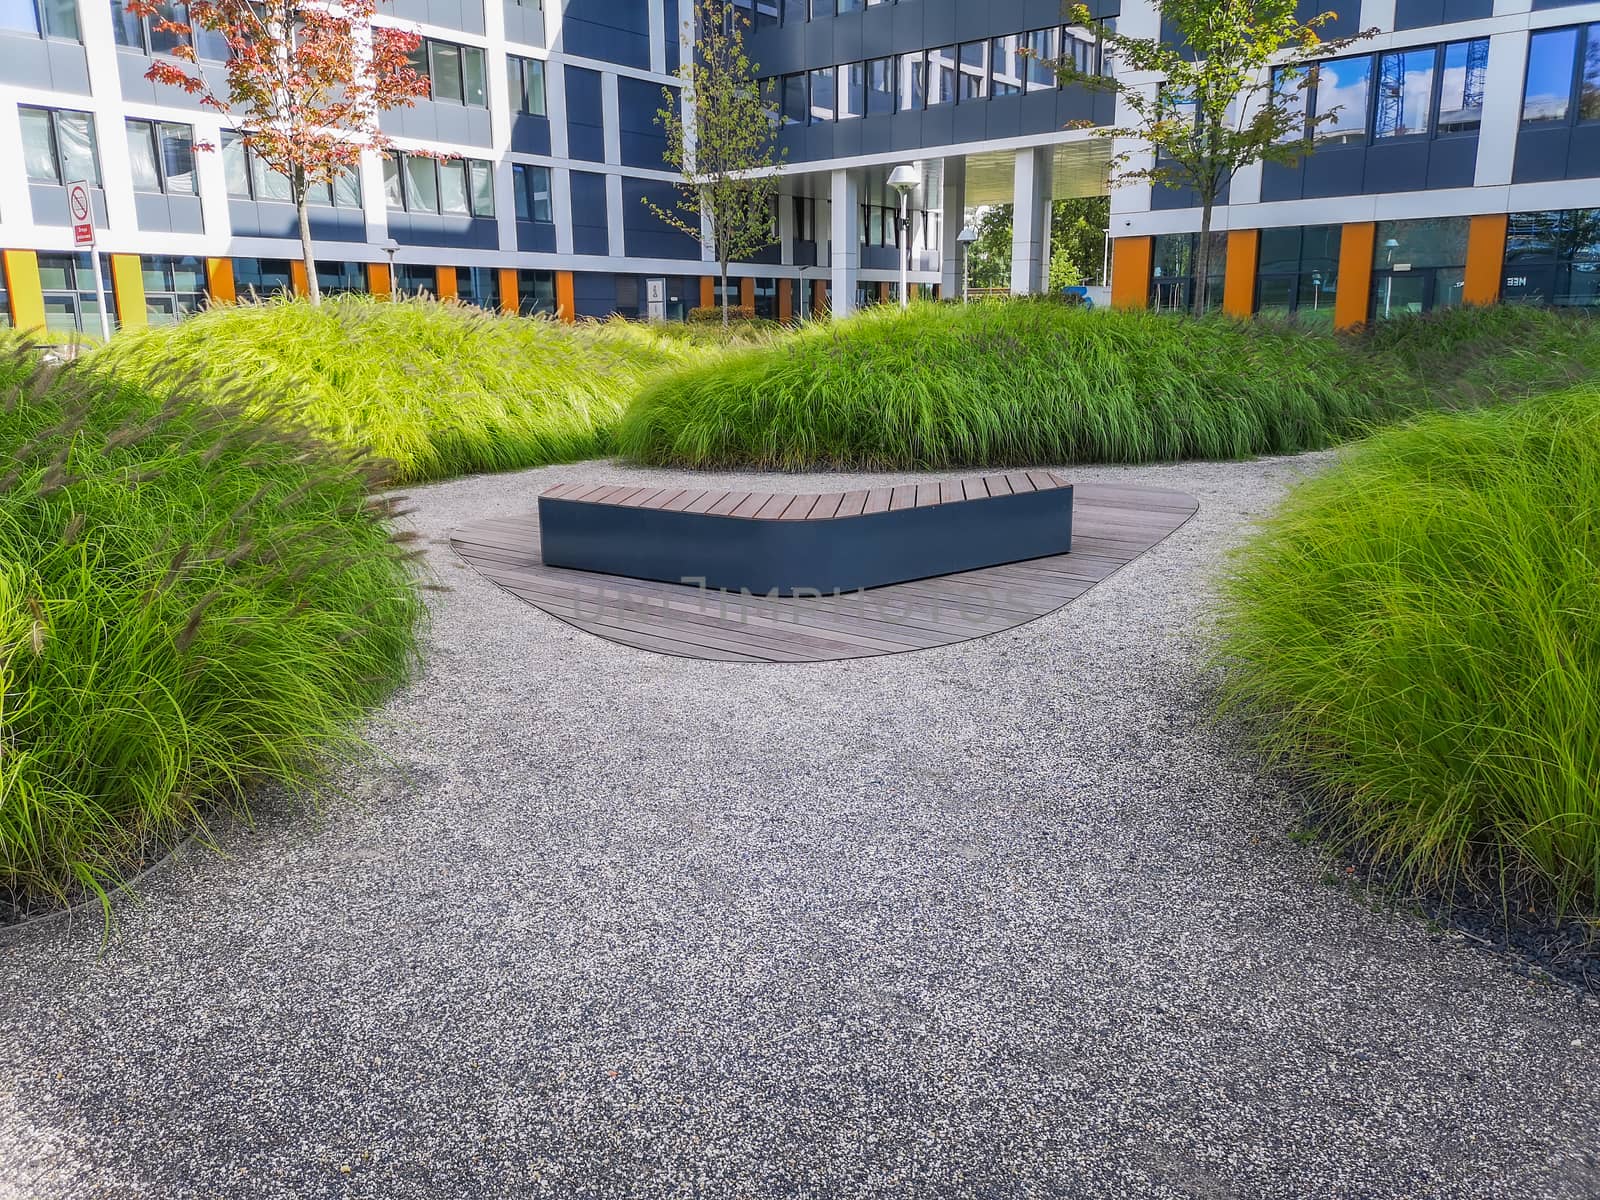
{"points": [[446, 283], [1486, 257], [508, 290], [219, 281], [566, 297], [1239, 284], [1354, 298], [1130, 271]]}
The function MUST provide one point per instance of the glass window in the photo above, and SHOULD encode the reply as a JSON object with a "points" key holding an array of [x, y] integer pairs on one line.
{"points": [[235, 165], [531, 93], [61, 19], [1009, 65], [536, 292], [1548, 92], [269, 184], [1081, 44], [974, 71], [794, 100], [822, 98], [422, 184], [444, 67], [1461, 86], [913, 81], [532, 187], [1589, 79], [39, 145], [75, 135], [394, 196], [474, 78], [880, 87], [18, 16], [129, 29], [941, 76], [347, 189], [261, 276], [1341, 100], [1436, 242], [453, 187], [852, 91], [164, 41], [142, 156], [1405, 93], [1533, 236], [1044, 47], [482, 182], [1291, 90], [177, 158]]}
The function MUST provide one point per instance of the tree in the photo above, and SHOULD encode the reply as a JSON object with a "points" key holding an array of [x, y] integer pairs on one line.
{"points": [[1233, 93], [722, 142], [305, 84], [1077, 243]]}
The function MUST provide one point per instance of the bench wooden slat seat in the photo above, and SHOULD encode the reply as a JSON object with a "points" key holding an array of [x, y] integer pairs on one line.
{"points": [[794, 544]]}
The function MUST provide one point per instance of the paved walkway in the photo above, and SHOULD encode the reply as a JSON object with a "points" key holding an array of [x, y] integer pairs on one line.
{"points": [[1000, 919]]}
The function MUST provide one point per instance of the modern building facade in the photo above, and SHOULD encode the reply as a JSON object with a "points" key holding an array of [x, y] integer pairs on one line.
{"points": [[1463, 164]]}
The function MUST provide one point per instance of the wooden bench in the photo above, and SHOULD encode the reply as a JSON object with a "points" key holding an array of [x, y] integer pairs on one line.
{"points": [[770, 542]]}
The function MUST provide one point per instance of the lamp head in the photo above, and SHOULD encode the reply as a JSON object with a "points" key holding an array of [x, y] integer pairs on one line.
{"points": [[967, 236], [904, 179]]}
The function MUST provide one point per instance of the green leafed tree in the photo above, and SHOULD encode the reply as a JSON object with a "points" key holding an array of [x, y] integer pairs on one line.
{"points": [[1233, 92], [722, 141]]}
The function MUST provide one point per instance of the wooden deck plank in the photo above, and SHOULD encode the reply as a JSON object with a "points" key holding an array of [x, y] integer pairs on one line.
{"points": [[799, 508], [927, 495], [826, 507], [852, 504], [950, 492], [998, 485], [973, 489], [774, 507], [725, 504], [901, 497], [1021, 485], [878, 500], [750, 505]]}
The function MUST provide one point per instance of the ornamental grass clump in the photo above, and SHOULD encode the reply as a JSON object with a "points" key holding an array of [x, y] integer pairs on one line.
{"points": [[1417, 633], [1000, 384], [194, 602], [438, 389]]}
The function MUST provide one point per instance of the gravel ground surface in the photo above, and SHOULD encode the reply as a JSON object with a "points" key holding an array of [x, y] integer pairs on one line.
{"points": [[1004, 919]]}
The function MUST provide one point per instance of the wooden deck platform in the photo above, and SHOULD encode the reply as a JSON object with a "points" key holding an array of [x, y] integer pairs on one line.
{"points": [[1112, 526]]}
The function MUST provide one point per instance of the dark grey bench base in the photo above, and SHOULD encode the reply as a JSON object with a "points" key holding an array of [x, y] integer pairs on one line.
{"points": [[788, 545]]}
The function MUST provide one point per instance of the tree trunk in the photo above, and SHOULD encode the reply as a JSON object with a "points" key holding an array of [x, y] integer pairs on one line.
{"points": [[313, 292], [1202, 259], [724, 267]]}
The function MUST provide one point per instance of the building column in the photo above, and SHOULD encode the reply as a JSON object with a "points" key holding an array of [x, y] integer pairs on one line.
{"points": [[844, 247], [127, 281], [24, 289], [1354, 296], [510, 302], [445, 285], [1486, 257], [954, 211], [1030, 222], [1130, 271], [1239, 282], [219, 281]]}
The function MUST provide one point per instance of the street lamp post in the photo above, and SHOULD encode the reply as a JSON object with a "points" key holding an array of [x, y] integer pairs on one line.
{"points": [[904, 179], [1388, 289], [964, 239]]}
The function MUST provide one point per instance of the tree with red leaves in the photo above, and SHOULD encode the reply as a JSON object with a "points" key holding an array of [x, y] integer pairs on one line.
{"points": [[306, 81]]}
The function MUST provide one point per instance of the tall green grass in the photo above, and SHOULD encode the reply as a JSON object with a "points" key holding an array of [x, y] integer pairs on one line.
{"points": [[193, 601], [437, 389], [1418, 631], [1019, 383]]}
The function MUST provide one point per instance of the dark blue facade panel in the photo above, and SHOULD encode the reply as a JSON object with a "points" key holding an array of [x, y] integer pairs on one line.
{"points": [[672, 29], [644, 141], [536, 237], [589, 214], [610, 30], [1416, 14], [430, 229], [1404, 165], [1557, 152], [594, 294], [247, 218], [645, 235], [530, 134], [586, 135]]}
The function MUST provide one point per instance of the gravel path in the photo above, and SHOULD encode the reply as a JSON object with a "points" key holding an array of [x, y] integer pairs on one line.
{"points": [[1002, 919]]}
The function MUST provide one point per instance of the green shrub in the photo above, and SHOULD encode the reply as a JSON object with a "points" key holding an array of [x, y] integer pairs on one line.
{"points": [[713, 312], [1024, 382], [438, 389], [1002, 384], [192, 602], [1418, 631]]}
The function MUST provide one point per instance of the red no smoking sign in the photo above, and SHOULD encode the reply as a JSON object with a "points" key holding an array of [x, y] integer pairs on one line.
{"points": [[81, 207]]}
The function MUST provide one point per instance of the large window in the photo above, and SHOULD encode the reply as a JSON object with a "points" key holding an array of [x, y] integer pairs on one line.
{"points": [[880, 87], [457, 187], [476, 286], [342, 278], [796, 102], [913, 81], [161, 156], [1298, 273], [1553, 258], [1563, 82], [1405, 93], [70, 302], [1172, 271], [412, 280], [973, 65], [455, 73], [146, 35], [43, 18], [262, 277], [852, 98], [1418, 266], [1422, 91], [58, 145], [822, 96], [532, 187], [249, 178], [941, 76], [174, 287], [526, 77], [536, 292]]}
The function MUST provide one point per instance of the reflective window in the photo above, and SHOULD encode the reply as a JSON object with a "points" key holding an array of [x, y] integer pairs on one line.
{"points": [[1341, 100], [532, 187], [58, 145], [913, 81], [48, 18], [795, 100], [974, 71], [941, 76], [1404, 93], [1009, 67], [1548, 92], [880, 87], [852, 91], [525, 76], [1044, 47], [822, 97], [1461, 81], [422, 185]]}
